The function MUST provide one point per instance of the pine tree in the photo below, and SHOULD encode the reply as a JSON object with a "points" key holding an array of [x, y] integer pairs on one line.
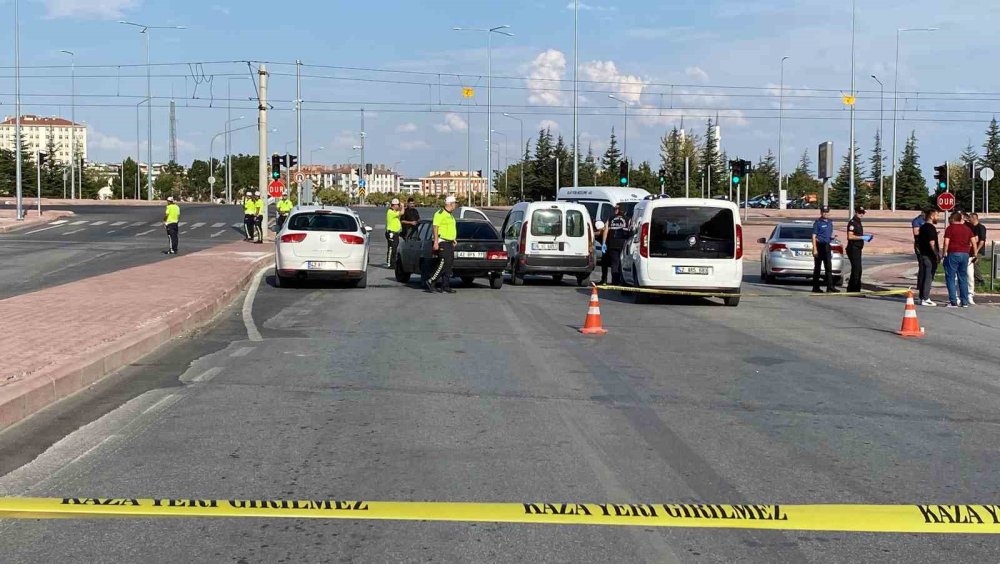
{"points": [[542, 167], [610, 161], [991, 158], [877, 164], [840, 194], [561, 152], [672, 161], [911, 188], [960, 183], [764, 178], [710, 161], [643, 177], [588, 169], [689, 152], [801, 182]]}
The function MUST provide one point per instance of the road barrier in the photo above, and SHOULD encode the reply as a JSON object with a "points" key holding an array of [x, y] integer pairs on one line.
{"points": [[917, 518], [872, 293]]}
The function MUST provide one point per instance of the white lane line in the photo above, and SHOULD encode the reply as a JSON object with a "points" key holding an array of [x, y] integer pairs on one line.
{"points": [[96, 223], [92, 449], [117, 223], [183, 232], [252, 333], [181, 223], [197, 225], [242, 351], [238, 225], [207, 375], [218, 225], [81, 222], [59, 221], [213, 235], [138, 224], [112, 231], [156, 224], [72, 232], [162, 403], [42, 229], [144, 233]]}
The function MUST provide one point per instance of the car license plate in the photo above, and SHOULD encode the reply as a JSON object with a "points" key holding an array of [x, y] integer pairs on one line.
{"points": [[701, 270], [544, 246], [803, 253], [470, 254], [314, 265]]}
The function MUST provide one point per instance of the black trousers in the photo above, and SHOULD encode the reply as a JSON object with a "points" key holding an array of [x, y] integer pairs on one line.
{"points": [[823, 258], [614, 257], [854, 255], [248, 225], [172, 237], [446, 258], [280, 221], [392, 241]]}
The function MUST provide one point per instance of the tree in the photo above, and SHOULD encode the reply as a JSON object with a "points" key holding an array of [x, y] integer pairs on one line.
{"points": [[764, 178], [911, 188], [801, 182], [131, 185], [672, 162], [713, 170], [588, 169], [561, 152], [643, 177], [840, 195], [877, 164], [991, 158], [958, 179], [542, 168], [8, 170], [689, 152], [609, 163], [198, 181]]}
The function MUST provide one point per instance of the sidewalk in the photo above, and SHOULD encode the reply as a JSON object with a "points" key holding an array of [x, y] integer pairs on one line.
{"points": [[9, 222], [904, 275], [60, 340]]}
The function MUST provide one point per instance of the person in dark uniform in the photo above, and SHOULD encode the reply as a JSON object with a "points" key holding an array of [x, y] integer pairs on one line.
{"points": [[411, 218], [855, 243], [615, 236], [822, 235]]}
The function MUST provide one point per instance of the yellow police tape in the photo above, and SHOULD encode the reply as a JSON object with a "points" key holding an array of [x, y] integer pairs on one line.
{"points": [[983, 518], [896, 292]]}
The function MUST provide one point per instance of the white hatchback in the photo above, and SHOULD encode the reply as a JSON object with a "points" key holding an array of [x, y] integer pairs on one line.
{"points": [[319, 242]]}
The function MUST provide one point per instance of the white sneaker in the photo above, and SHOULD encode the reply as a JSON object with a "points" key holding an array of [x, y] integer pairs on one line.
{"points": [[972, 301], [928, 303]]}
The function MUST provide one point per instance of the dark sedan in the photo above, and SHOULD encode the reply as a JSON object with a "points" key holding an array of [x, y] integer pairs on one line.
{"points": [[479, 253]]}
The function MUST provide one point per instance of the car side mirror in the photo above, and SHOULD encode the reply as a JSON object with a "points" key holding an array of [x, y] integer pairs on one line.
{"points": [[762, 240], [368, 229]]}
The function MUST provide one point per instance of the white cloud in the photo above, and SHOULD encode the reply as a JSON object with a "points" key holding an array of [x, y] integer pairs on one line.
{"points": [[696, 73], [606, 75], [221, 9], [592, 8], [406, 128], [109, 143], [88, 9], [346, 139], [548, 124], [452, 122], [414, 145], [543, 75]]}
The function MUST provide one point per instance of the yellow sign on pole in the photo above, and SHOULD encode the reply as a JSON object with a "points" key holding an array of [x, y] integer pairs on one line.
{"points": [[468, 92], [848, 99]]}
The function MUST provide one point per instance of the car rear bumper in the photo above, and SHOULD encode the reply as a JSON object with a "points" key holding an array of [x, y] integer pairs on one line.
{"points": [[478, 268], [787, 267], [554, 264], [322, 274]]}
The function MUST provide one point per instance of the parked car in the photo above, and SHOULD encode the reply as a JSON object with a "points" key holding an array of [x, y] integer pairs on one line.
{"points": [[479, 253], [319, 242], [549, 239], [787, 253]]}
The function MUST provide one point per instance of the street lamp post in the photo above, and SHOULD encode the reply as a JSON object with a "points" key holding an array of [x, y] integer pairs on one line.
{"points": [[72, 119], [489, 95], [624, 137], [17, 110], [881, 140], [853, 163], [505, 155], [211, 158], [521, 156], [895, 103], [144, 29], [138, 151], [576, 117], [781, 107]]}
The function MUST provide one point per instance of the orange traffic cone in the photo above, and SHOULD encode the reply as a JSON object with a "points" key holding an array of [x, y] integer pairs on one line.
{"points": [[911, 327], [592, 325]]}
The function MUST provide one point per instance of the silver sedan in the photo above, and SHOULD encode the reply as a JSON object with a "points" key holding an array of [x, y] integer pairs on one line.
{"points": [[788, 253]]}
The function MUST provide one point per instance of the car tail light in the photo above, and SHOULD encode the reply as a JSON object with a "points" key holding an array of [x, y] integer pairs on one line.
{"points": [[739, 242], [496, 255], [293, 238], [352, 239], [839, 249], [777, 247], [644, 241], [522, 243]]}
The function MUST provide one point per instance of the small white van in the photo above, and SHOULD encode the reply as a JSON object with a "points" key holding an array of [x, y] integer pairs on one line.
{"points": [[600, 201], [551, 239], [685, 244]]}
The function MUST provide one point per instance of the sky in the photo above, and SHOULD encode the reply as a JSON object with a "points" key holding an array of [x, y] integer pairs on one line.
{"points": [[402, 62]]}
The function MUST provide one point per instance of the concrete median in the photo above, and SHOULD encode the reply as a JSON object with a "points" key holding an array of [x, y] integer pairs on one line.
{"points": [[60, 340], [9, 222]]}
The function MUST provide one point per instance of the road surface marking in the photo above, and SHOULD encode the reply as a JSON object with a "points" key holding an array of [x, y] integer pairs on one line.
{"points": [[155, 224], [183, 232], [218, 225], [72, 232], [219, 233], [162, 403], [197, 225], [81, 222], [117, 223], [138, 224], [242, 351], [92, 449], [207, 375], [96, 223], [144, 233], [59, 221], [252, 333], [42, 229], [112, 231], [237, 225]]}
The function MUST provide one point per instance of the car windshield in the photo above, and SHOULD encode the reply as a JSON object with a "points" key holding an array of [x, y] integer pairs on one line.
{"points": [[477, 230], [692, 232], [591, 209], [316, 221], [627, 208], [546, 223], [797, 233]]}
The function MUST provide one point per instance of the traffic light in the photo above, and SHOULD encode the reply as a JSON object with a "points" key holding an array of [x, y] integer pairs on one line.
{"points": [[735, 172], [970, 169], [623, 173], [663, 176], [941, 176], [357, 172], [42, 157], [291, 160], [368, 169], [275, 166]]}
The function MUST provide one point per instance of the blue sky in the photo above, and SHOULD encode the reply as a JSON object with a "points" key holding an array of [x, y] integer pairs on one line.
{"points": [[650, 52]]}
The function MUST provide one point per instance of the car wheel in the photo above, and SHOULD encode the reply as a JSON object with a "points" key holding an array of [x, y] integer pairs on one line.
{"points": [[496, 282], [282, 281], [582, 279], [838, 281], [515, 278], [468, 280], [401, 275], [557, 278], [732, 302], [361, 282]]}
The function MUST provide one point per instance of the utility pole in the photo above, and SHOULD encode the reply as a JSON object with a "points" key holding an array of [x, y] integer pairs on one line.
{"points": [[361, 172], [38, 180], [17, 111], [853, 103], [687, 177], [123, 179], [298, 128], [262, 160], [576, 117]]}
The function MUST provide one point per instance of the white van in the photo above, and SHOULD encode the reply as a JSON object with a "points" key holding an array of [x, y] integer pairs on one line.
{"points": [[600, 201], [549, 238], [685, 244]]}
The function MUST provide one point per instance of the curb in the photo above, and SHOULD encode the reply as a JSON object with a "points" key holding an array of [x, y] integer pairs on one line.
{"points": [[51, 384], [49, 216]]}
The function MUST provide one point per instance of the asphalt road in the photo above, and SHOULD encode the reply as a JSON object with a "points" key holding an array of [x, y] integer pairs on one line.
{"points": [[389, 393]]}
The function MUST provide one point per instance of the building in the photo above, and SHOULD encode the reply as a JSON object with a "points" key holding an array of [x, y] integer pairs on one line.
{"points": [[36, 132], [409, 186], [344, 177], [454, 182]]}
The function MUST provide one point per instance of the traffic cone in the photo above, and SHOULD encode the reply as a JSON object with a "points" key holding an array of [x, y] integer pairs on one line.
{"points": [[592, 325], [911, 327]]}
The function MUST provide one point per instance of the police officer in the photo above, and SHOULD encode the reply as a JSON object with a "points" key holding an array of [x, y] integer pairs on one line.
{"points": [[445, 233], [258, 218], [822, 236], [284, 208], [855, 243], [249, 210], [615, 236], [170, 219], [393, 230], [411, 218]]}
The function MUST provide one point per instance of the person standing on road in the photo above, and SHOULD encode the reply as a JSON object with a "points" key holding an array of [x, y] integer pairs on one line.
{"points": [[393, 230], [979, 230], [411, 218], [615, 236], [822, 236], [284, 208], [855, 244], [915, 226], [958, 243], [258, 217], [249, 210], [445, 234], [600, 233], [929, 254], [170, 219]]}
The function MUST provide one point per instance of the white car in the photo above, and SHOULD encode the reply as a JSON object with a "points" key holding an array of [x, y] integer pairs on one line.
{"points": [[321, 242]]}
